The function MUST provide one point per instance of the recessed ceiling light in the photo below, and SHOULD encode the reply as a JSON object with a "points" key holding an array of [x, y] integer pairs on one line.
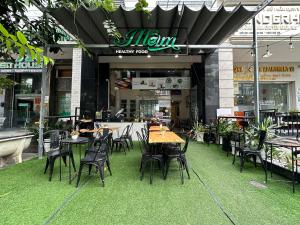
{"points": [[176, 55], [120, 56], [148, 56]]}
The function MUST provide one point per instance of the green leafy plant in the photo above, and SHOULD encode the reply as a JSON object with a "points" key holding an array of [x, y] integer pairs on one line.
{"points": [[5, 82], [19, 43], [225, 127], [198, 127], [252, 134]]}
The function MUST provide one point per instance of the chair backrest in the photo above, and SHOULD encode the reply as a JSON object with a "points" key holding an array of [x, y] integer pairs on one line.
{"points": [[143, 143], [144, 134], [185, 147], [53, 142], [140, 139], [125, 131], [102, 149], [105, 132], [262, 138], [130, 128]]}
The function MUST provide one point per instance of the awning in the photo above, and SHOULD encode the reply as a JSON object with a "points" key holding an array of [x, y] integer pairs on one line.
{"points": [[202, 27]]}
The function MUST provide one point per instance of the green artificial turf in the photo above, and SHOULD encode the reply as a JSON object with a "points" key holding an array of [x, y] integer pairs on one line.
{"points": [[26, 196]]}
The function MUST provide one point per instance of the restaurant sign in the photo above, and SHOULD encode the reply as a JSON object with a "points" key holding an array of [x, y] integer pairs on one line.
{"points": [[150, 39], [21, 65], [266, 72]]}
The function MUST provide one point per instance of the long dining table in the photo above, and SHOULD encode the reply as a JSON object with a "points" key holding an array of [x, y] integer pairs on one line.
{"points": [[164, 137]]}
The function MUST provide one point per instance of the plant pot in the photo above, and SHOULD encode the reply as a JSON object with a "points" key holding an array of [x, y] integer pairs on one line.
{"points": [[74, 137], [46, 144], [199, 137], [226, 145]]}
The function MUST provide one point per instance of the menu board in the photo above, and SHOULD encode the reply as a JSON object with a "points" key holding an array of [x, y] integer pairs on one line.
{"points": [[161, 83]]}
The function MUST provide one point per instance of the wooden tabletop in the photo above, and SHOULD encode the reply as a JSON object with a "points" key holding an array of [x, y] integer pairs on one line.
{"points": [[284, 142], [98, 130], [164, 137], [157, 128]]}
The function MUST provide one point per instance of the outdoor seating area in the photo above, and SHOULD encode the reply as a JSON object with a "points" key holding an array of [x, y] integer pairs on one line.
{"points": [[126, 199]]}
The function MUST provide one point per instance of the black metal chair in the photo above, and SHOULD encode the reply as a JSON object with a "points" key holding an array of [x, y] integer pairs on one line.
{"points": [[98, 157], [175, 152], [57, 150], [121, 142], [127, 135], [149, 155], [144, 134], [246, 151]]}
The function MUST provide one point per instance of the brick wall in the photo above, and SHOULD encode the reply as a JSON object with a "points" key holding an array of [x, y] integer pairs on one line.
{"points": [[76, 79]]}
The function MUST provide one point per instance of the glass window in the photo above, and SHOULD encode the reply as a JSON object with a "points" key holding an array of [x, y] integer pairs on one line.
{"points": [[28, 83], [63, 103], [271, 95]]}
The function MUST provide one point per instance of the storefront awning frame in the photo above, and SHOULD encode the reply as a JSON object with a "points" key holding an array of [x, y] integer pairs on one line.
{"points": [[210, 40]]}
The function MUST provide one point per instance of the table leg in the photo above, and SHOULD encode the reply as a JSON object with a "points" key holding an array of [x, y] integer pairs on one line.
{"points": [[293, 170], [69, 163], [271, 166]]}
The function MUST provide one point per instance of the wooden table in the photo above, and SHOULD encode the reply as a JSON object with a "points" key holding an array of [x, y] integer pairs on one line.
{"points": [[157, 128], [164, 137], [98, 130], [290, 143]]}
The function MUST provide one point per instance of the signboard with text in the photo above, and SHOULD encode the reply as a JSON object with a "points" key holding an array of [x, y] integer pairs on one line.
{"points": [[21, 66], [145, 40], [267, 72], [274, 20]]}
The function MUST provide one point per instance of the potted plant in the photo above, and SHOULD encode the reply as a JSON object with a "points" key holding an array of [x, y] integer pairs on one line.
{"points": [[199, 130], [225, 128], [74, 134]]}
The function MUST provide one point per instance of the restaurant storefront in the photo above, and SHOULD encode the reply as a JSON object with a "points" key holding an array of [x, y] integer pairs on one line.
{"points": [[279, 86], [166, 65]]}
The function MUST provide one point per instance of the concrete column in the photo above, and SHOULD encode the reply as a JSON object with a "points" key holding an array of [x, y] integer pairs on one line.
{"points": [[226, 89], [76, 79]]}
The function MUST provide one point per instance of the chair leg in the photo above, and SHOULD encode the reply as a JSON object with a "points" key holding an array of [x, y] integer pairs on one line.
{"points": [[79, 174], [51, 167], [264, 167], [127, 145], [123, 146], [73, 161], [161, 165], [254, 159], [112, 147], [108, 166], [90, 169], [242, 162], [234, 155], [144, 163], [64, 160], [186, 167], [181, 170], [167, 168], [130, 141], [101, 170], [46, 167], [151, 171]]}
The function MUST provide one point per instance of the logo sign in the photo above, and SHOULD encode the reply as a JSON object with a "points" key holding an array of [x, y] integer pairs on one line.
{"points": [[21, 65], [150, 39]]}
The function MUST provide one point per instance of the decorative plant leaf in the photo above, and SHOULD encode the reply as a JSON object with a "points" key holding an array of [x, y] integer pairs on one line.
{"points": [[46, 60], [3, 30], [21, 38], [8, 44]]}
